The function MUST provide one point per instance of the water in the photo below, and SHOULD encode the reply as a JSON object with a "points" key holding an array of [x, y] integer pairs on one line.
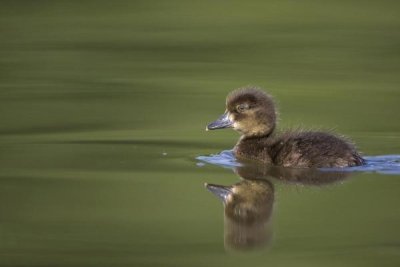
{"points": [[249, 203], [103, 108], [384, 164]]}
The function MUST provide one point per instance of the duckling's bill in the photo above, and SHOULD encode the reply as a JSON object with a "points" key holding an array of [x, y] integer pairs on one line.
{"points": [[222, 122], [220, 191]]}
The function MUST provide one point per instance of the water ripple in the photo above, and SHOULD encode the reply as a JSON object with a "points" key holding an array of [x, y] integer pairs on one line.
{"points": [[384, 164]]}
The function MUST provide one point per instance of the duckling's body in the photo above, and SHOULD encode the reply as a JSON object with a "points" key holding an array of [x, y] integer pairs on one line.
{"points": [[299, 149], [252, 112]]}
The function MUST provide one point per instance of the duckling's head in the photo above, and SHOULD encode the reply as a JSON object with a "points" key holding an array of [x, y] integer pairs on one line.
{"points": [[249, 111]]}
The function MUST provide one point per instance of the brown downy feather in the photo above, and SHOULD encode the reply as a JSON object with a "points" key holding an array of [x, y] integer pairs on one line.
{"points": [[254, 115]]}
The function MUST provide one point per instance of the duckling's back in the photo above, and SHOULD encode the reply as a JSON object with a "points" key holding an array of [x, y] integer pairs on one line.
{"points": [[313, 149]]}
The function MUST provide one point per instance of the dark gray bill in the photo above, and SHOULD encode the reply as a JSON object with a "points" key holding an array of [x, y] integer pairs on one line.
{"points": [[221, 122], [220, 191]]}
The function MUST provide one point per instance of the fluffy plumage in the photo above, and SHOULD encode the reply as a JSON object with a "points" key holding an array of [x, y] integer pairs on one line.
{"points": [[252, 112]]}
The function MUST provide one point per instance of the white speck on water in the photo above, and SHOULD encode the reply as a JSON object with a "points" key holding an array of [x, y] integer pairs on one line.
{"points": [[200, 164], [164, 153]]}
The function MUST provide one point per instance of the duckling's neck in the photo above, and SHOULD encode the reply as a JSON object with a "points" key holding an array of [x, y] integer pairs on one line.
{"points": [[261, 132], [256, 130]]}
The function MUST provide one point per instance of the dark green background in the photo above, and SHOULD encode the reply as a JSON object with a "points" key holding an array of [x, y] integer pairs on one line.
{"points": [[92, 93]]}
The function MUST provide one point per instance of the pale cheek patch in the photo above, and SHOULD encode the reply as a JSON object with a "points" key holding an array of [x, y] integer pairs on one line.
{"points": [[235, 124]]}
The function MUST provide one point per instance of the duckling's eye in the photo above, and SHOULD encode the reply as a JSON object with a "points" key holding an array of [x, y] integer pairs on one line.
{"points": [[242, 107]]}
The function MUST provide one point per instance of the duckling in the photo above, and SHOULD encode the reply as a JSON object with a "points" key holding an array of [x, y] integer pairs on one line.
{"points": [[248, 208], [252, 113]]}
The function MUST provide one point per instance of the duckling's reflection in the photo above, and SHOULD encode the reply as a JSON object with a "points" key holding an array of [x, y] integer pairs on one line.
{"points": [[301, 176], [248, 208], [248, 204]]}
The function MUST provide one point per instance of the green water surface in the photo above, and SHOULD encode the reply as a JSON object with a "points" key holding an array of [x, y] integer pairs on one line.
{"points": [[103, 106]]}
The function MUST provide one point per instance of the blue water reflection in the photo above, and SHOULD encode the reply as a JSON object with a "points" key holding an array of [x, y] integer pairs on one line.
{"points": [[384, 164]]}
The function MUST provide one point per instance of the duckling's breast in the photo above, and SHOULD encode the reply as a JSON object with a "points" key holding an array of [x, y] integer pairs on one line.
{"points": [[253, 149]]}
